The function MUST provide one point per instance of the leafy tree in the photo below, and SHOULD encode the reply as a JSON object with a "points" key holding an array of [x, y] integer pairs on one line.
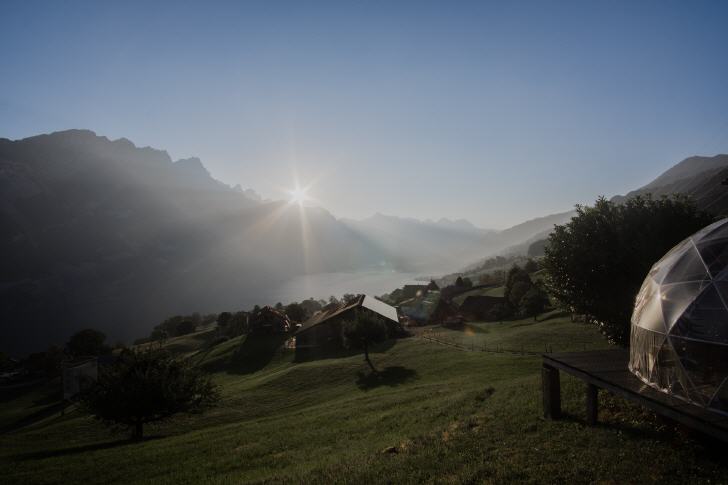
{"points": [[518, 282], [534, 302], [185, 327], [296, 312], [311, 306], [531, 266], [517, 292], [47, 363], [236, 325], [87, 342], [147, 386], [362, 332], [279, 306], [223, 319], [459, 282], [348, 298], [596, 262]]}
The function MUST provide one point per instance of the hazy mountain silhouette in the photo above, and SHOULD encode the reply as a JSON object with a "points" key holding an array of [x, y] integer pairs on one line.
{"points": [[101, 233], [698, 177], [106, 234]]}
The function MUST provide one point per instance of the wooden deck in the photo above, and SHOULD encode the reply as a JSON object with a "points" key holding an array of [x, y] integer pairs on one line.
{"points": [[607, 369]]}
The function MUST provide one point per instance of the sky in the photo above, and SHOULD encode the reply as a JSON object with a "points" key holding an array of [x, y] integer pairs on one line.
{"points": [[496, 112]]}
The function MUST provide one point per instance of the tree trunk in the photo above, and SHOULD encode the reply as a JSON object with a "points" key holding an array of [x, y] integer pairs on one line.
{"points": [[138, 430], [366, 357]]}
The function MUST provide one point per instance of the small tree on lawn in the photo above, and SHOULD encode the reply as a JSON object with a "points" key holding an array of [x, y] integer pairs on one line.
{"points": [[534, 302], [147, 386], [362, 332]]}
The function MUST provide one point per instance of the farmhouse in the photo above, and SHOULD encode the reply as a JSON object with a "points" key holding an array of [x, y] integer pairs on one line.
{"points": [[268, 320], [78, 375], [323, 330], [478, 307], [445, 313]]}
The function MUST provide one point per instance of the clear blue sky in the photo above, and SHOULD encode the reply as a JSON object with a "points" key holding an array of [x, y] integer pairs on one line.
{"points": [[496, 112]]}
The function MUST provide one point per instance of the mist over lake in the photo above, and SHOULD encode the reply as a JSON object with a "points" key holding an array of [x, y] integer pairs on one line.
{"points": [[323, 285]]}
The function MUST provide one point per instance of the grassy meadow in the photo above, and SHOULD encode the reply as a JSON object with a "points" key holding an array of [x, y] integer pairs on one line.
{"points": [[433, 414]]}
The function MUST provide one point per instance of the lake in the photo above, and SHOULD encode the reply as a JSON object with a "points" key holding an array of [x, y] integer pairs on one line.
{"points": [[323, 285]]}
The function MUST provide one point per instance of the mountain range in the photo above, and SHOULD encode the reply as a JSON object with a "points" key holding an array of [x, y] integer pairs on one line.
{"points": [[102, 233]]}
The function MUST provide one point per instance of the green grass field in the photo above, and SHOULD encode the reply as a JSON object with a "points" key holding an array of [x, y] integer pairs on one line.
{"points": [[435, 414]]}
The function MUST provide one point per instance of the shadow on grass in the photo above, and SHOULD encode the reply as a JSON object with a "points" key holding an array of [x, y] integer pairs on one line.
{"points": [[338, 352], [554, 315], [36, 455], [34, 417], [389, 376]]}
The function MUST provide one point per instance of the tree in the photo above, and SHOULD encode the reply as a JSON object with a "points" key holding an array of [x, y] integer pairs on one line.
{"points": [[362, 332], [186, 327], [534, 302], [348, 298], [223, 319], [311, 306], [518, 282], [296, 312], [47, 363], [147, 386], [87, 342], [596, 263], [531, 266], [237, 325]]}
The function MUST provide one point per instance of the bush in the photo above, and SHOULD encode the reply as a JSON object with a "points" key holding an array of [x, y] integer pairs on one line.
{"points": [[596, 263]]}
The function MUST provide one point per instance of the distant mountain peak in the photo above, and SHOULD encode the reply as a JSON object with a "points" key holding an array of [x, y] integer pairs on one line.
{"points": [[689, 167], [192, 166]]}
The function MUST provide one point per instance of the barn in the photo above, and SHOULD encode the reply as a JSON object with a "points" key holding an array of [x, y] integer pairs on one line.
{"points": [[323, 330], [480, 307]]}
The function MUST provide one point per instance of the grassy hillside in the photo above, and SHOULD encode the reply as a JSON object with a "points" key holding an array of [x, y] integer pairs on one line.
{"points": [[435, 414]]}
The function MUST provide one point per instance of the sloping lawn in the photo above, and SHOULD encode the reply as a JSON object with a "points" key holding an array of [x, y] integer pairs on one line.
{"points": [[434, 413]]}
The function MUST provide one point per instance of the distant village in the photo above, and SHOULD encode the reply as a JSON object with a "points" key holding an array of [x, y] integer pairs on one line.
{"points": [[311, 327]]}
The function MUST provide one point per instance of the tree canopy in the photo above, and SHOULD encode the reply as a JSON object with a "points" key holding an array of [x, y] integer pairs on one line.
{"points": [[87, 342], [147, 386], [362, 332], [596, 262]]}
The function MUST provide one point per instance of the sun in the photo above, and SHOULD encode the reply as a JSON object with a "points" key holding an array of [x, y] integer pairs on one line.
{"points": [[299, 195]]}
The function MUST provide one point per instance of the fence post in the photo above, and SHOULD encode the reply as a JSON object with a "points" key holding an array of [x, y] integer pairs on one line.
{"points": [[592, 404], [551, 392]]}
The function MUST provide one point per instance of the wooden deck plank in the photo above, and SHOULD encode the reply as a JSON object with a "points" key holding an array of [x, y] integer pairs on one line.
{"points": [[607, 369]]}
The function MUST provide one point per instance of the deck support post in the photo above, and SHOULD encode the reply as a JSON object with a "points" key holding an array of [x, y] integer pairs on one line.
{"points": [[551, 392], [592, 404]]}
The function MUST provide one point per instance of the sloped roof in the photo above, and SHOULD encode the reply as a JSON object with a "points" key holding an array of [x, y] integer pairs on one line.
{"points": [[387, 311], [363, 301]]}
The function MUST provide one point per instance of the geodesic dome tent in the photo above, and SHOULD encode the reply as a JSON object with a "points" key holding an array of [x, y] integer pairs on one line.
{"points": [[679, 333]]}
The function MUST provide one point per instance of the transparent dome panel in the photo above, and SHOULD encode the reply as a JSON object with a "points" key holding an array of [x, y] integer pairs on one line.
{"points": [[688, 267], [705, 319], [676, 298], [714, 254]]}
